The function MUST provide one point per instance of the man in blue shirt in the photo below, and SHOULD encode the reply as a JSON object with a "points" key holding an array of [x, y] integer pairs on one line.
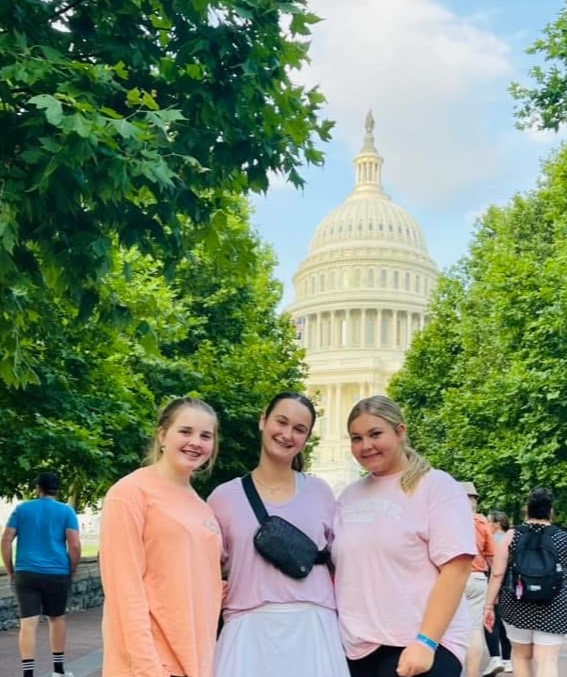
{"points": [[47, 556]]}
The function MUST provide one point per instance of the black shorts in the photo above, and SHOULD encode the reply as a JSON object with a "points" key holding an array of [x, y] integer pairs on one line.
{"points": [[41, 594], [384, 661]]}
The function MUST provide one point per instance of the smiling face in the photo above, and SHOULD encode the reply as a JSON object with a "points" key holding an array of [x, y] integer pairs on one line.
{"points": [[285, 430], [377, 445], [188, 442]]}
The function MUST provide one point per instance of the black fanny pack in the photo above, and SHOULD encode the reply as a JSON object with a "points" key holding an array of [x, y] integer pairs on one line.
{"points": [[280, 542]]}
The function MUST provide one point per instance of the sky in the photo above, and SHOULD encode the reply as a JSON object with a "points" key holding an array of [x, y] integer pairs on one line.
{"points": [[436, 76]]}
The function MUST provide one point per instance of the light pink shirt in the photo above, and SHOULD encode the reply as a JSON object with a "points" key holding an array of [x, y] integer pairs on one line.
{"points": [[252, 581], [387, 549]]}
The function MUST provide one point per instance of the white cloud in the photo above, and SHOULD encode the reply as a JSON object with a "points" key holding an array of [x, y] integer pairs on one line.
{"points": [[546, 136], [431, 78]]}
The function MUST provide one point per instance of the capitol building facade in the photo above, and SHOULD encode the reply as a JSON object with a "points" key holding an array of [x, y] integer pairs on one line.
{"points": [[360, 295]]}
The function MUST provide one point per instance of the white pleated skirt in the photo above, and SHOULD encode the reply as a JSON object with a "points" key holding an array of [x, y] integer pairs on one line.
{"points": [[281, 640]]}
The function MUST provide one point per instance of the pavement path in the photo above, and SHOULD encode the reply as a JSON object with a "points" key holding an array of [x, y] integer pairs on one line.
{"points": [[84, 653]]}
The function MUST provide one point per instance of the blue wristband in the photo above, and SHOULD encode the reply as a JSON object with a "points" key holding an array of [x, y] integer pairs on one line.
{"points": [[424, 639]]}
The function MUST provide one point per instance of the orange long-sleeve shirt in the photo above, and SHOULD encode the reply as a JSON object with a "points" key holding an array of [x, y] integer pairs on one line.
{"points": [[160, 566]]}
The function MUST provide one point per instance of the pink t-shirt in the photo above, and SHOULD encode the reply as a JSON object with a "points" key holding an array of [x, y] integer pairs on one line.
{"points": [[252, 581], [387, 548]]}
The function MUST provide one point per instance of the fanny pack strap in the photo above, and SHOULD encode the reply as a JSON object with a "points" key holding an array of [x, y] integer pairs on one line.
{"points": [[262, 515], [254, 499]]}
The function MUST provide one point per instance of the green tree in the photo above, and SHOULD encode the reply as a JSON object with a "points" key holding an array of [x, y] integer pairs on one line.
{"points": [[429, 370], [124, 119], [240, 352], [484, 384], [544, 105], [213, 330]]}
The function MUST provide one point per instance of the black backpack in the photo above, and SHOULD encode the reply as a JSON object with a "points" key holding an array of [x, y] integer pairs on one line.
{"points": [[536, 574]]}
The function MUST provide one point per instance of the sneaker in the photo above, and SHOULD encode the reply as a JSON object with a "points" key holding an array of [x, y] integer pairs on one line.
{"points": [[495, 665], [508, 665], [65, 674]]}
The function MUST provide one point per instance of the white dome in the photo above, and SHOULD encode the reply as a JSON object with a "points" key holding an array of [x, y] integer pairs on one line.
{"points": [[368, 214]]}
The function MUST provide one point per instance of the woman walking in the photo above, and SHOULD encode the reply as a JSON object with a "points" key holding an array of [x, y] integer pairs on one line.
{"points": [[497, 641], [536, 629]]}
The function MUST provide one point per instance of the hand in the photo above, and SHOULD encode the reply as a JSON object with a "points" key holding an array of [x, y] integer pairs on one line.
{"points": [[415, 659], [489, 618]]}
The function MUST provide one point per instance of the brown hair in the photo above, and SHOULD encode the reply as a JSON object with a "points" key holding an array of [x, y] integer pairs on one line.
{"points": [[500, 518], [165, 420], [389, 411], [298, 462]]}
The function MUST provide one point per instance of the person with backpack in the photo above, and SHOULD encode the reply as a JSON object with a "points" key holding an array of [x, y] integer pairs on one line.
{"points": [[529, 573]]}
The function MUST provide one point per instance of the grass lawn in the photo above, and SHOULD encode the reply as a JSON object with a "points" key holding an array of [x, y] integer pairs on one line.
{"points": [[89, 550]]}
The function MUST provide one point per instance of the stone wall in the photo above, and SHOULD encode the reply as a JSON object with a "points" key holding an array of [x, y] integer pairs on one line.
{"points": [[85, 593]]}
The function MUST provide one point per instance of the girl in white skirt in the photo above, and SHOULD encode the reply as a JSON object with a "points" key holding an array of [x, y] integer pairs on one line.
{"points": [[275, 625]]}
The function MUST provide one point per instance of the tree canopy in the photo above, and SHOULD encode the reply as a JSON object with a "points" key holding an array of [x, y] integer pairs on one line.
{"points": [[484, 385], [210, 331], [124, 120], [543, 105]]}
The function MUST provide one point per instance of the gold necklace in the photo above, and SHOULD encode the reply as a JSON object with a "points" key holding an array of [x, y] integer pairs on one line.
{"points": [[267, 486]]}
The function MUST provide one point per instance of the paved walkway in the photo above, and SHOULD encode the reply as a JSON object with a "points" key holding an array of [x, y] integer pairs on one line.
{"points": [[83, 657], [84, 654]]}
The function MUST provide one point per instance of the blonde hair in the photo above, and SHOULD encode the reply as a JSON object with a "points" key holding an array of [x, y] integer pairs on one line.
{"points": [[165, 420], [389, 411]]}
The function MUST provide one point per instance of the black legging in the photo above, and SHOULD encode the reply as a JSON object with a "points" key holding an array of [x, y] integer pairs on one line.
{"points": [[384, 661]]}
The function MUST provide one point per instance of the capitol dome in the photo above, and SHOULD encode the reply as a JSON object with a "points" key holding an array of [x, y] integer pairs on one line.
{"points": [[368, 213], [369, 216], [360, 295], [368, 244]]}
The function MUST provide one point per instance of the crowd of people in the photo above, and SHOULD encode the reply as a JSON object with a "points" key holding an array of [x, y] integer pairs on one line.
{"points": [[271, 575]]}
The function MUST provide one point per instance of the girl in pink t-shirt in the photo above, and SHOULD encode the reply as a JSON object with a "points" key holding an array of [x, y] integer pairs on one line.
{"points": [[273, 624], [404, 542]]}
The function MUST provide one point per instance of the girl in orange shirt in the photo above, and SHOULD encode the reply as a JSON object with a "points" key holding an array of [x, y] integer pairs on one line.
{"points": [[160, 555]]}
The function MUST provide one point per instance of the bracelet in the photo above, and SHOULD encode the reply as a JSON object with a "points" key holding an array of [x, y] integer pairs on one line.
{"points": [[424, 639]]}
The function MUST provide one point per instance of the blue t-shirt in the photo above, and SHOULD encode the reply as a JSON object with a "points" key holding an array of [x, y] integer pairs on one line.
{"points": [[40, 526]]}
